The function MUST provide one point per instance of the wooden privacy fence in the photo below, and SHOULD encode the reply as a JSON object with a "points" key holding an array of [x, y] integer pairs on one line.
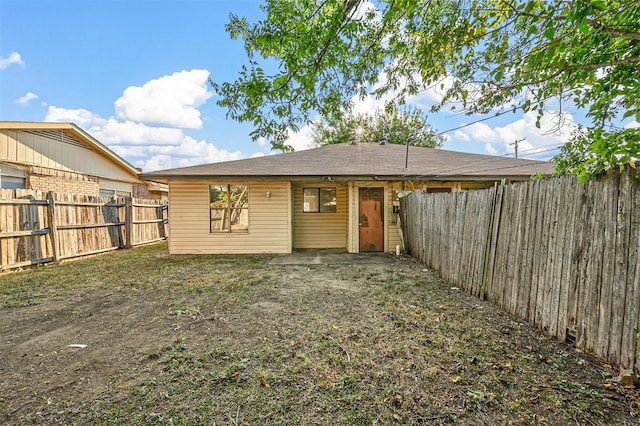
{"points": [[37, 227], [558, 254]]}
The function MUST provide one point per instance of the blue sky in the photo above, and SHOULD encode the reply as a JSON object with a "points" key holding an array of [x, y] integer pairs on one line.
{"points": [[133, 73]]}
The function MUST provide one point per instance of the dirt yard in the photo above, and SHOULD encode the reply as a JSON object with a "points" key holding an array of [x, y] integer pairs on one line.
{"points": [[222, 340]]}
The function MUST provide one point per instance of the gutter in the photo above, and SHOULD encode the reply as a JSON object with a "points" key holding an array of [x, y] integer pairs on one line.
{"points": [[164, 178]]}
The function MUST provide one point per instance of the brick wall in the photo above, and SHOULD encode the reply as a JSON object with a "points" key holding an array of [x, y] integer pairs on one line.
{"points": [[44, 179], [141, 191]]}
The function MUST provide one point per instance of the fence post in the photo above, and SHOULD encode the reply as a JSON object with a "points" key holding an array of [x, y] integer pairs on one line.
{"points": [[160, 215], [492, 232], [53, 228], [128, 222]]}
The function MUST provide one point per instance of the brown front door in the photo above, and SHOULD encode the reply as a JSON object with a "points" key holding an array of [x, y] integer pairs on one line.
{"points": [[371, 219]]}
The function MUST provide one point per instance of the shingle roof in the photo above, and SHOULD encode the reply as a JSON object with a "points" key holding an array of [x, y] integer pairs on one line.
{"points": [[365, 160]]}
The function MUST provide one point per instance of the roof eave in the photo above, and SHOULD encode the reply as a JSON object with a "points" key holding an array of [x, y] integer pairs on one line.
{"points": [[75, 131], [166, 178]]}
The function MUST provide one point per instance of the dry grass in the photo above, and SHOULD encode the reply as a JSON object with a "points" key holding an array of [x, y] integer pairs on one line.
{"points": [[230, 340]]}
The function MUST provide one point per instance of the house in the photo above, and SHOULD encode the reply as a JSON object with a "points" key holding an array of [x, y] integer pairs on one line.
{"points": [[61, 157], [337, 196]]}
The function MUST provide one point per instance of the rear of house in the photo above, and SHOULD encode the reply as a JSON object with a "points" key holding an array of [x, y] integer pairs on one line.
{"points": [[337, 196]]}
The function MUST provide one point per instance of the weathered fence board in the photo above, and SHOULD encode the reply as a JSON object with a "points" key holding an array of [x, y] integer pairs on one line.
{"points": [[38, 227], [558, 254]]}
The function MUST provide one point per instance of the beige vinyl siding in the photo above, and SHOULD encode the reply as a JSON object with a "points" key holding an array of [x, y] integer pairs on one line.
{"points": [[320, 230], [64, 153], [269, 220], [394, 233], [353, 245]]}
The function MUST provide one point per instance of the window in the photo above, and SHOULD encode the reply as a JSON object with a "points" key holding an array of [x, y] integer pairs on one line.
{"points": [[12, 182], [319, 200], [12, 177], [229, 208]]}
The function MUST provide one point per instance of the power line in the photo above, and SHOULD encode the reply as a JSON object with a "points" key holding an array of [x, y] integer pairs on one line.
{"points": [[539, 149]]}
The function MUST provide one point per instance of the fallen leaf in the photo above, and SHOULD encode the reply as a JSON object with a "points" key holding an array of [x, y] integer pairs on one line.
{"points": [[456, 379], [609, 386]]}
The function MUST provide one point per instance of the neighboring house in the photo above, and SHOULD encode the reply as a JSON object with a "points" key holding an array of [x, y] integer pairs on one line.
{"points": [[61, 157], [337, 196]]}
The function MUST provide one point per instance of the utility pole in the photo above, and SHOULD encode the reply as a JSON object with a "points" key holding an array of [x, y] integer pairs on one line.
{"points": [[406, 158], [516, 142]]}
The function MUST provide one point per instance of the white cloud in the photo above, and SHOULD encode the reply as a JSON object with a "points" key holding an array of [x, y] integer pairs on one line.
{"points": [[149, 123], [126, 151], [13, 58], [24, 100], [113, 132], [532, 141], [461, 136], [188, 153], [425, 99], [169, 101], [490, 149], [153, 141], [433, 95], [302, 139], [479, 132], [80, 117], [157, 162], [131, 133]]}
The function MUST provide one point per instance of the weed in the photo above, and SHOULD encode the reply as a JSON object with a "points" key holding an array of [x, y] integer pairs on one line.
{"points": [[345, 344]]}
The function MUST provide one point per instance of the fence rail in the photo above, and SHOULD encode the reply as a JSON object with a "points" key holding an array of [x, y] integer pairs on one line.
{"points": [[561, 255], [37, 227]]}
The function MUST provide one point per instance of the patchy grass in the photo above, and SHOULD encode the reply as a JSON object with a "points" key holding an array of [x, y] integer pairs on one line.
{"points": [[231, 340]]}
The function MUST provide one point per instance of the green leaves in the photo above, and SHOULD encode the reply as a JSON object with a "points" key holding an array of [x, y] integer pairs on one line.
{"points": [[594, 151], [307, 58], [397, 126]]}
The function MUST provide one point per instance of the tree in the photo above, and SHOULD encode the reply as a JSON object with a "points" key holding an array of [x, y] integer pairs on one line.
{"points": [[498, 55], [394, 125]]}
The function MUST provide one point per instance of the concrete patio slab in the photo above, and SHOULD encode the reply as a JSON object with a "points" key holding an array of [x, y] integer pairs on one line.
{"points": [[330, 257]]}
